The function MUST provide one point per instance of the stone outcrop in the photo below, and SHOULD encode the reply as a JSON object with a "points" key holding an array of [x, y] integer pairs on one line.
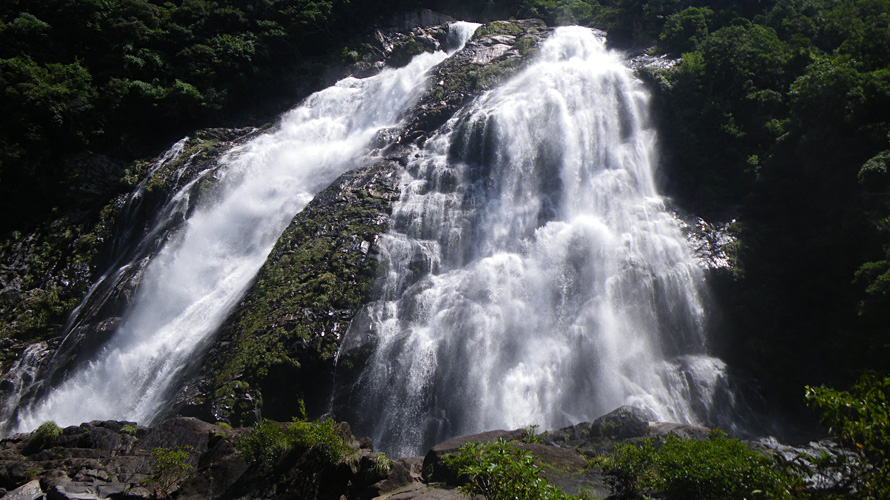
{"points": [[277, 349], [497, 51]]}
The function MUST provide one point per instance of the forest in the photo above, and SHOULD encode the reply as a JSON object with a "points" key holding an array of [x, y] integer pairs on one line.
{"points": [[776, 118]]}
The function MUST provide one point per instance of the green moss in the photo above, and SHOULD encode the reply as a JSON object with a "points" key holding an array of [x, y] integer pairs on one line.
{"points": [[294, 311], [498, 28], [44, 437]]}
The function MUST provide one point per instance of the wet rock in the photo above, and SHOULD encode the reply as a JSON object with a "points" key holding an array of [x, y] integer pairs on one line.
{"points": [[496, 51], [685, 431], [417, 491], [623, 423], [301, 304], [711, 242], [77, 490], [434, 469], [28, 491]]}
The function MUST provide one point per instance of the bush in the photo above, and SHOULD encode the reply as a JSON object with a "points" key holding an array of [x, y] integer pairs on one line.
{"points": [[323, 434], [530, 435], [263, 444], [44, 437], [501, 471], [171, 467], [860, 419], [680, 469], [268, 440]]}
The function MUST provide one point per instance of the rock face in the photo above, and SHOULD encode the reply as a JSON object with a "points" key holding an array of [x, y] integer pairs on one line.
{"points": [[99, 460], [289, 325], [52, 269], [277, 348], [496, 52], [117, 460], [276, 351]]}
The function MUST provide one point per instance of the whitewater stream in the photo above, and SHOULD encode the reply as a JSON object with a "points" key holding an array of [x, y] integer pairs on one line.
{"points": [[533, 273], [191, 285]]}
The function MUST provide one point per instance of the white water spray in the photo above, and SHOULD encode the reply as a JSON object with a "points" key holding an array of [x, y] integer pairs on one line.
{"points": [[192, 284], [533, 273]]}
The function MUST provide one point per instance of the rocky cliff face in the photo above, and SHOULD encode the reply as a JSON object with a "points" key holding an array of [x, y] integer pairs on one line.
{"points": [[276, 352]]}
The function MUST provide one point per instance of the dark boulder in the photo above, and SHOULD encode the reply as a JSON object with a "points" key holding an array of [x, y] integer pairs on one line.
{"points": [[434, 469]]}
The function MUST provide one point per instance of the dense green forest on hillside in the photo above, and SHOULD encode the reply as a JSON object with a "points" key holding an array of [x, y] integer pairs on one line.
{"points": [[777, 116]]}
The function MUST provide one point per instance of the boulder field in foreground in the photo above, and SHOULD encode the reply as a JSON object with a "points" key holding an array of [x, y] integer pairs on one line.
{"points": [[118, 460]]}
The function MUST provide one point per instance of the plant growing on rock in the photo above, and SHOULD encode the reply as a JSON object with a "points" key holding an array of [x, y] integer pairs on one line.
{"points": [[268, 440], [530, 435], [44, 437], [171, 467], [382, 464], [860, 418], [501, 471], [718, 468], [322, 434], [263, 444]]}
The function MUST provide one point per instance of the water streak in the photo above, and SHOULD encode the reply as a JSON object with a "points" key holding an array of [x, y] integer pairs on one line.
{"points": [[192, 284], [533, 273]]}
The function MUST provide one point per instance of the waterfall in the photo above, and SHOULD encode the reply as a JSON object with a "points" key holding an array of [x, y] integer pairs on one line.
{"points": [[533, 274], [202, 271]]}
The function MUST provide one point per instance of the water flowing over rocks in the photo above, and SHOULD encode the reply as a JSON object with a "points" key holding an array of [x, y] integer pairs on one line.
{"points": [[324, 264], [278, 347]]}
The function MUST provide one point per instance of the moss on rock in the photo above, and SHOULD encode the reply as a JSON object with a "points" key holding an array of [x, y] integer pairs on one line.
{"points": [[278, 346]]}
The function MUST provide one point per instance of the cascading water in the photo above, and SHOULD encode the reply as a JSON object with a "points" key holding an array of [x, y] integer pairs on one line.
{"points": [[534, 275], [192, 283]]}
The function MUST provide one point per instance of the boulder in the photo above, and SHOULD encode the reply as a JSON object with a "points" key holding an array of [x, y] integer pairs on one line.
{"points": [[434, 469], [28, 491], [79, 490], [623, 423]]}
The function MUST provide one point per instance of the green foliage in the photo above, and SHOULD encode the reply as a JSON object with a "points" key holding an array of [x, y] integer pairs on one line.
{"points": [[501, 471], [268, 440], [860, 419], [530, 435], [265, 442], [684, 30], [171, 467], [680, 469], [44, 437], [779, 119], [130, 429], [382, 464], [323, 435], [874, 175], [145, 68]]}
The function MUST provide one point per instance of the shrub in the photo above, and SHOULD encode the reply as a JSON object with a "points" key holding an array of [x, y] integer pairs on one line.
{"points": [[171, 467], [269, 439], [530, 435], [44, 437], [719, 468], [382, 464], [322, 434], [263, 444], [860, 419], [130, 429], [501, 471]]}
